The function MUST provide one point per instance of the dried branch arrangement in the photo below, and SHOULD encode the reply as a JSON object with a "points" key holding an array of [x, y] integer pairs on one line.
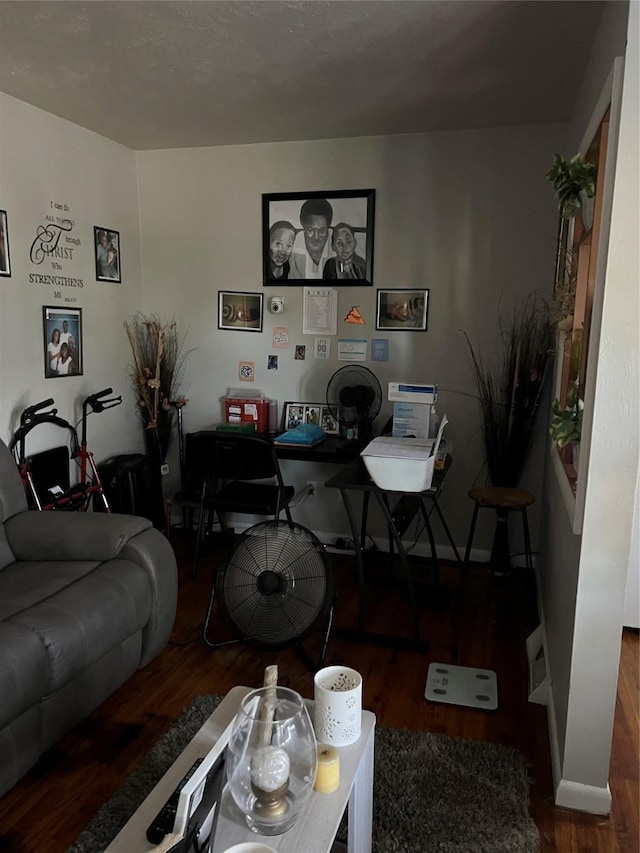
{"points": [[158, 360], [511, 388]]}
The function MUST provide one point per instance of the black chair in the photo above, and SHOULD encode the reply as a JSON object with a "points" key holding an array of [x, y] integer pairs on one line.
{"points": [[234, 467]]}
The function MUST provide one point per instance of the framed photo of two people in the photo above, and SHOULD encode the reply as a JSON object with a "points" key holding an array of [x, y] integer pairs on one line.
{"points": [[318, 236]]}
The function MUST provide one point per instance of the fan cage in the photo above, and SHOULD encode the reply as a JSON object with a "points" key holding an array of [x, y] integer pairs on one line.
{"points": [[275, 585]]}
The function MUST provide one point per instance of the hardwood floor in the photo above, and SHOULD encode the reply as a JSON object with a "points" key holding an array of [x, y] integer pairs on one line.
{"points": [[482, 624]]}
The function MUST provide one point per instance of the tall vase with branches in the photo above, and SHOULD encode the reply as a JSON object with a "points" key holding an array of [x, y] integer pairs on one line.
{"points": [[158, 360], [511, 388]]}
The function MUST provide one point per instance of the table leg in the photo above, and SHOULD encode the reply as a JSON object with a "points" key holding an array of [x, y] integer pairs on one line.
{"points": [[361, 802], [359, 561], [432, 542], [384, 506], [445, 527]]}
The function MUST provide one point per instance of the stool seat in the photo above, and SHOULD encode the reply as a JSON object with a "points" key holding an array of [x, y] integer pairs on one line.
{"points": [[501, 497]]}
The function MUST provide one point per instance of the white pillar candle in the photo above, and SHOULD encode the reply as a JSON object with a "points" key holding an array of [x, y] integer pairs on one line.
{"points": [[328, 772]]}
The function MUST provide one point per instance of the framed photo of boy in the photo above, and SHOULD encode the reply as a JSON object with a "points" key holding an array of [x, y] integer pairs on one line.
{"points": [[240, 312], [107, 247], [318, 236], [5, 258], [402, 310], [62, 341]]}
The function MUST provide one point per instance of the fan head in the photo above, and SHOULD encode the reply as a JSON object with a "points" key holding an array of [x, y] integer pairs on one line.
{"points": [[276, 584], [354, 397]]}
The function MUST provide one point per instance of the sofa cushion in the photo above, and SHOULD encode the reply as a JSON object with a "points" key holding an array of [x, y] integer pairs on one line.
{"points": [[71, 535], [6, 554], [23, 584], [79, 623], [24, 667]]}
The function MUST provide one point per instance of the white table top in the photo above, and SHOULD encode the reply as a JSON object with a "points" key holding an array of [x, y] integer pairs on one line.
{"points": [[313, 832]]}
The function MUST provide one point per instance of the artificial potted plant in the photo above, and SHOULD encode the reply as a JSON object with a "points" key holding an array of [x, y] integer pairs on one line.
{"points": [[565, 427], [574, 182]]}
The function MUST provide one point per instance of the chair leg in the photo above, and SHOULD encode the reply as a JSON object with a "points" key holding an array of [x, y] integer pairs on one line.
{"points": [[196, 554]]}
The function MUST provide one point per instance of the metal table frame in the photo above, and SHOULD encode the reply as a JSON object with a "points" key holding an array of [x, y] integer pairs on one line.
{"points": [[355, 477]]}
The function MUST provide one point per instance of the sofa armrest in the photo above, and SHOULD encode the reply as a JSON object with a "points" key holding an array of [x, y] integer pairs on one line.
{"points": [[71, 535]]}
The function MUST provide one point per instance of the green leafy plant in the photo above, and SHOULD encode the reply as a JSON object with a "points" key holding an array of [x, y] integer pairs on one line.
{"points": [[570, 178], [566, 424]]}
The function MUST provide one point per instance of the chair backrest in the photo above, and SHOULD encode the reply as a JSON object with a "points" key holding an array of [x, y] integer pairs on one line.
{"points": [[231, 456]]}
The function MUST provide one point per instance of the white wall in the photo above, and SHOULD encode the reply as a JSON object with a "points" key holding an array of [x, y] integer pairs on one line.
{"points": [[466, 214], [45, 160], [583, 577]]}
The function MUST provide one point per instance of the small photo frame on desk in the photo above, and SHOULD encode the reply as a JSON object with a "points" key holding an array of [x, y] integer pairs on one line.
{"points": [[309, 413]]}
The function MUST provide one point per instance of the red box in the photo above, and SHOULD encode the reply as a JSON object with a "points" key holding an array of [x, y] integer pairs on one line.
{"points": [[239, 410]]}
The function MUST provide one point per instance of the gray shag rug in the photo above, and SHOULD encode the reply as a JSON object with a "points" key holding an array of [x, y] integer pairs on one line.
{"points": [[432, 793]]}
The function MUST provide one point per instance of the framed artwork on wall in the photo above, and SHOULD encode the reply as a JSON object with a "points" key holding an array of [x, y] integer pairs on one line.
{"points": [[5, 258], [62, 341], [318, 236], [240, 312], [402, 310], [107, 248]]}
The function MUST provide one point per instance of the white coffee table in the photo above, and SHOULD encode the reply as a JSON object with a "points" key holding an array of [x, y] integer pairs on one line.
{"points": [[316, 827]]}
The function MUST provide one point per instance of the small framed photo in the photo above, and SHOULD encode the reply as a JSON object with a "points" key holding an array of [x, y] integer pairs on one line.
{"points": [[318, 236], [107, 248], [240, 311], [5, 258], [293, 415], [402, 310], [328, 423], [62, 341], [310, 413]]}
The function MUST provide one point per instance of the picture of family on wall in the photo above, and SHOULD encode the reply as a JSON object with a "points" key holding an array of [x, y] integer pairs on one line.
{"points": [[62, 331], [319, 236]]}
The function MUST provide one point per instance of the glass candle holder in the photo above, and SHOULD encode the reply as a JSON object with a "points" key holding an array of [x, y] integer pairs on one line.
{"points": [[271, 765]]}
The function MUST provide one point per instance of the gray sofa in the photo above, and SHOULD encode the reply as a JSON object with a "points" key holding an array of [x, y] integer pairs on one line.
{"points": [[85, 600]]}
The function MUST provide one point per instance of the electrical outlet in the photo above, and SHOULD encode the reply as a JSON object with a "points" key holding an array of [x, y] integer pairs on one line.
{"points": [[164, 469], [311, 488]]}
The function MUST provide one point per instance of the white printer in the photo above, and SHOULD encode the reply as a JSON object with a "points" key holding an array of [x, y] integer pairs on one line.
{"points": [[402, 464]]}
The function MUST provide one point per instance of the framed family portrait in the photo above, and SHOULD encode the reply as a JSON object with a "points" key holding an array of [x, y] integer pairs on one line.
{"points": [[402, 310], [240, 311], [5, 258], [107, 249], [309, 413], [62, 341], [318, 236]]}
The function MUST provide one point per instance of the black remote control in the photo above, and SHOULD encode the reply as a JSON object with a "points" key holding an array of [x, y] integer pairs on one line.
{"points": [[163, 822]]}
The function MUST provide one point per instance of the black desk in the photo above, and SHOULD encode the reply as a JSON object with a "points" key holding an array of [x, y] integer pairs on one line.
{"points": [[355, 477], [327, 451]]}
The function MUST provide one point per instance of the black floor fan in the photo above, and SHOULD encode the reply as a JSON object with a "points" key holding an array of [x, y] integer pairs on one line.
{"points": [[274, 588]]}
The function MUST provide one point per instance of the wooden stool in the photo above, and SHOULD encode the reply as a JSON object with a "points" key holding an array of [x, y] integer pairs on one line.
{"points": [[504, 500]]}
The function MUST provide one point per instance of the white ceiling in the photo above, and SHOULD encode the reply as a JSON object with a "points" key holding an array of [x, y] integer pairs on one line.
{"points": [[217, 72]]}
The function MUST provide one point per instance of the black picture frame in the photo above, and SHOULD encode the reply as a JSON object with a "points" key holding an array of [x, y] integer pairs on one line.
{"points": [[5, 255], [106, 243], [239, 311], [354, 210], [67, 322], [294, 414], [402, 309]]}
